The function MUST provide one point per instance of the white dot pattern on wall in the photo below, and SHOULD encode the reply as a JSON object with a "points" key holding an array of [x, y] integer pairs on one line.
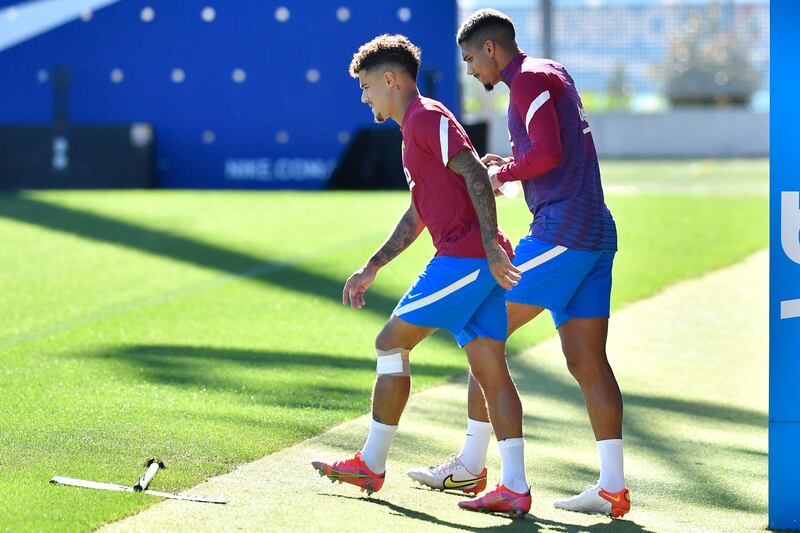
{"points": [[343, 14], [208, 14], [147, 14], [312, 75]]}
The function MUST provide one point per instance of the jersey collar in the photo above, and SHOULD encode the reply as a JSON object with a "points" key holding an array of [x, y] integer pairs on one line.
{"points": [[413, 104], [513, 68]]}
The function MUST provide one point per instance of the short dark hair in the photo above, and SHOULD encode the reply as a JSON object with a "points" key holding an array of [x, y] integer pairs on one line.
{"points": [[395, 49], [485, 22]]}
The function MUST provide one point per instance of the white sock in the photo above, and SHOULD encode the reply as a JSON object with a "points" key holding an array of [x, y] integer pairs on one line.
{"points": [[512, 456], [476, 444], [376, 449], [612, 476]]}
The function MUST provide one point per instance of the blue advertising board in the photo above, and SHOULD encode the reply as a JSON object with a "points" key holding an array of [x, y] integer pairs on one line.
{"points": [[241, 94], [784, 307]]}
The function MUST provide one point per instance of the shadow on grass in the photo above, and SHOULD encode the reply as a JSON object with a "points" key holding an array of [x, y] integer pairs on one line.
{"points": [[105, 229], [689, 459], [537, 427], [274, 377], [192, 366], [700, 409], [166, 356], [529, 523]]}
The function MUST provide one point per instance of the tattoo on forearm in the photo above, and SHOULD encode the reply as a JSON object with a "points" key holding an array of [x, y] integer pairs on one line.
{"points": [[480, 191], [405, 232]]}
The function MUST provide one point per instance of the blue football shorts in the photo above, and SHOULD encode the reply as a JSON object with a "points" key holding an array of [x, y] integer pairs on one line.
{"points": [[458, 294], [569, 283]]}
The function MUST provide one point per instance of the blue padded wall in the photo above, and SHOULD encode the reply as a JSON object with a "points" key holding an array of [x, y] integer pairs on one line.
{"points": [[284, 122]]}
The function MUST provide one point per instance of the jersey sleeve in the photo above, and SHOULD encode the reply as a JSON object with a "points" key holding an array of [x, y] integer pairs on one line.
{"points": [[532, 97], [442, 136]]}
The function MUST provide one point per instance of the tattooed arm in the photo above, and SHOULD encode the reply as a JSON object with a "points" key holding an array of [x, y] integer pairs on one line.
{"points": [[405, 232], [466, 164]]}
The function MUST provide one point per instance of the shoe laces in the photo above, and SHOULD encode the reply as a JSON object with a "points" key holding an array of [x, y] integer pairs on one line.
{"points": [[589, 488], [492, 492], [451, 460], [495, 494], [353, 461]]}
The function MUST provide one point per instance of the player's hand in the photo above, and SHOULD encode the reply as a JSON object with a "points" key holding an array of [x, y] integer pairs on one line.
{"points": [[504, 272], [357, 285], [493, 159], [493, 169]]}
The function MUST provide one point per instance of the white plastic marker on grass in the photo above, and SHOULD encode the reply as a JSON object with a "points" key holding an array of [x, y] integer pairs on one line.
{"points": [[152, 469], [122, 488], [153, 465]]}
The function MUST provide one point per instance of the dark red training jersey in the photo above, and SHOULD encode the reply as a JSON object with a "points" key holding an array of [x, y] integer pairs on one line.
{"points": [[431, 137]]}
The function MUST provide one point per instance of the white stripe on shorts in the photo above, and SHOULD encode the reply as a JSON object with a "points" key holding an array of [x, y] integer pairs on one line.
{"points": [[542, 258], [438, 295]]}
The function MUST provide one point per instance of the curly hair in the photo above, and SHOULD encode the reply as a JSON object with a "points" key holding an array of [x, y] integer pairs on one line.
{"points": [[395, 49], [483, 20]]}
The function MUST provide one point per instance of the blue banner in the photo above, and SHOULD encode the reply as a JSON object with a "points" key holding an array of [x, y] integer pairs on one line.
{"points": [[784, 307], [246, 94]]}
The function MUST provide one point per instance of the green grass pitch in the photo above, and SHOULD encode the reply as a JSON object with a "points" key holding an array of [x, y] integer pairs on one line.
{"points": [[206, 328]]}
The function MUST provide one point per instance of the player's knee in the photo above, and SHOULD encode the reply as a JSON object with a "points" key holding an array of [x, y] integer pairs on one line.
{"points": [[392, 362], [486, 382], [584, 365], [576, 368], [388, 339], [489, 373]]}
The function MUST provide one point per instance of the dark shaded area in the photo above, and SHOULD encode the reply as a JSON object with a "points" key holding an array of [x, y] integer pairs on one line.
{"points": [[700, 473], [176, 247], [77, 156], [700, 409], [227, 370], [694, 480], [373, 159]]}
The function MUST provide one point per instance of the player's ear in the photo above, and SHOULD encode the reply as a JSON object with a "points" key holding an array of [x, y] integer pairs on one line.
{"points": [[389, 78], [489, 47]]}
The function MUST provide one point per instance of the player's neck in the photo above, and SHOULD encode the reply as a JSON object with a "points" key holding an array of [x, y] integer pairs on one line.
{"points": [[504, 57], [504, 61], [404, 101]]}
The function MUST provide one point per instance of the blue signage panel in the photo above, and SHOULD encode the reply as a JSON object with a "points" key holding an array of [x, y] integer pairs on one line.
{"points": [[784, 307], [245, 94]]}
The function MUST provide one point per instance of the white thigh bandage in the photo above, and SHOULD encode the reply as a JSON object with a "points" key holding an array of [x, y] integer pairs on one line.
{"points": [[393, 362]]}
